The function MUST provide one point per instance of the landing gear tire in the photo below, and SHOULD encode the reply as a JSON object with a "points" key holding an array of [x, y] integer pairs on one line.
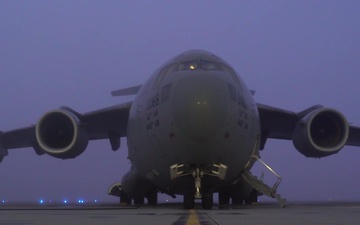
{"points": [[207, 200], [139, 201], [189, 199], [152, 198], [224, 199], [236, 200], [253, 198], [124, 199]]}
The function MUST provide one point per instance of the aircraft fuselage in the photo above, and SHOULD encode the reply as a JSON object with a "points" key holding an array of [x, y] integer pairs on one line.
{"points": [[192, 113]]}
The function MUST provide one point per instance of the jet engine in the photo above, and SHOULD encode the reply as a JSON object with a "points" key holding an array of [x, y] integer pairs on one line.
{"points": [[61, 134], [320, 133]]}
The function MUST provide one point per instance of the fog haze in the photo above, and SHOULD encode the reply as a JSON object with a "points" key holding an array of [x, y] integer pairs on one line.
{"points": [[294, 54]]}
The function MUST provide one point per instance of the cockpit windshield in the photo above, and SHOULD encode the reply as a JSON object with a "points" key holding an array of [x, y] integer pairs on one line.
{"points": [[189, 65], [196, 63], [205, 65], [199, 64], [208, 65]]}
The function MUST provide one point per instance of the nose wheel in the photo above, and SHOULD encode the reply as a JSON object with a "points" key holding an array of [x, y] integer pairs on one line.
{"points": [[189, 198], [192, 193], [207, 200]]}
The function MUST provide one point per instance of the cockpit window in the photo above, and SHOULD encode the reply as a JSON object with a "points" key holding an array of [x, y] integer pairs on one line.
{"points": [[208, 65], [230, 71], [189, 65], [164, 71], [194, 64]]}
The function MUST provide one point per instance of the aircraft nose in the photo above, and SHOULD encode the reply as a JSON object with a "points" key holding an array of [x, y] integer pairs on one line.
{"points": [[200, 106]]}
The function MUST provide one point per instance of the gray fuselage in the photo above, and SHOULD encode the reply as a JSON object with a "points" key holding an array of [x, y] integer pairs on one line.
{"points": [[193, 111]]}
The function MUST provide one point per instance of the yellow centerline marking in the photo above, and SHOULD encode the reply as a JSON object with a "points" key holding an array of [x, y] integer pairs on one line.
{"points": [[193, 218]]}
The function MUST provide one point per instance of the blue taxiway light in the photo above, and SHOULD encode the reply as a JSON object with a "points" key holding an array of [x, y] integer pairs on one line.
{"points": [[65, 201]]}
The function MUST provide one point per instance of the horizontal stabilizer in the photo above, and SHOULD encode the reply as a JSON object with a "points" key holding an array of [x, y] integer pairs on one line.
{"points": [[126, 91]]}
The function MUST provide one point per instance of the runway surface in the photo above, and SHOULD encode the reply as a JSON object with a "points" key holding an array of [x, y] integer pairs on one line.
{"points": [[172, 214]]}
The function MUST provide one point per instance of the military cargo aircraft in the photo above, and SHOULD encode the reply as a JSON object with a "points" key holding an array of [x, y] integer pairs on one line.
{"points": [[193, 129]]}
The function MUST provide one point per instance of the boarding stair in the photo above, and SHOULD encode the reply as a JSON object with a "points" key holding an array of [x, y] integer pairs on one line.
{"points": [[260, 186]]}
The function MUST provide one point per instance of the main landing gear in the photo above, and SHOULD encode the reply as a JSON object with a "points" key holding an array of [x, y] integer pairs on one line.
{"points": [[150, 195], [236, 197]]}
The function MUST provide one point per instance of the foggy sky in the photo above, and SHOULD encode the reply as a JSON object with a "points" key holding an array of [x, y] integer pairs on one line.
{"points": [[293, 53]]}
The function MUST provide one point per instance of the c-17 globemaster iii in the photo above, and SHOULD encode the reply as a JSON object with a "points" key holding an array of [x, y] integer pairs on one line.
{"points": [[193, 129]]}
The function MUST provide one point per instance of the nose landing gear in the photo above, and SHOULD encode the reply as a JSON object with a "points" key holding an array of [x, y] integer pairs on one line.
{"points": [[197, 192]]}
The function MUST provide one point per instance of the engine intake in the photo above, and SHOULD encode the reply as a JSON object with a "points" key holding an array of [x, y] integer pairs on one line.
{"points": [[320, 133], [60, 134]]}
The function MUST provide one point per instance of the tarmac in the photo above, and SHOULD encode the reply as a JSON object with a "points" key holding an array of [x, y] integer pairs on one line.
{"points": [[344, 213]]}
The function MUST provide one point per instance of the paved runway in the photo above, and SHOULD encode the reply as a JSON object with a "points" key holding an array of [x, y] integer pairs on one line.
{"points": [[173, 214]]}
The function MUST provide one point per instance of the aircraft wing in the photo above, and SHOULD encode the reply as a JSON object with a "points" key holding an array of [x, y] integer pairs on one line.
{"points": [[281, 124], [127, 91], [19, 138], [112, 120], [354, 136], [107, 123]]}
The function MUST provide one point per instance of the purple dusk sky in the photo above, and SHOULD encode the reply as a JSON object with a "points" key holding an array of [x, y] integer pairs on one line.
{"points": [[293, 53]]}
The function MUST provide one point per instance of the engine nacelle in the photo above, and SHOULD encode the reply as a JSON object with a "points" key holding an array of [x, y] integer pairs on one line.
{"points": [[60, 134], [320, 133]]}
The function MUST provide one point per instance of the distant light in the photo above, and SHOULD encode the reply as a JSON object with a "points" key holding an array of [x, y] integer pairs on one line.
{"points": [[95, 201], [3, 201], [65, 201], [41, 201], [81, 201]]}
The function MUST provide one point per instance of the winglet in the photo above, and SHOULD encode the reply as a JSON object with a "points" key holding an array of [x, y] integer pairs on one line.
{"points": [[126, 91]]}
